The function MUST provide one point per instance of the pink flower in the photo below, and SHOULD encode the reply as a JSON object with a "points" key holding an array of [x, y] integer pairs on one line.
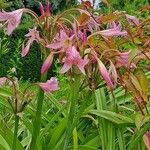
{"points": [[146, 139], [33, 35], [50, 86], [105, 74], [3, 81], [93, 24], [82, 36], [47, 63], [132, 19], [73, 58], [123, 59], [62, 41], [115, 30], [12, 18]]}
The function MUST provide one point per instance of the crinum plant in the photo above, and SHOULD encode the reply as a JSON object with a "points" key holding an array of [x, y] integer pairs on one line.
{"points": [[94, 51]]}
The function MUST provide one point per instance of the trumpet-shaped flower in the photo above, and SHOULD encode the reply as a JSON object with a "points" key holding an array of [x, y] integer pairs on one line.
{"points": [[73, 58], [132, 19], [33, 35], [62, 41], [12, 18], [114, 30], [105, 74], [50, 86]]}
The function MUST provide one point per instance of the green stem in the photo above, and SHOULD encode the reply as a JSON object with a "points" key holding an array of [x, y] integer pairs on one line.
{"points": [[71, 115], [37, 120], [15, 132]]}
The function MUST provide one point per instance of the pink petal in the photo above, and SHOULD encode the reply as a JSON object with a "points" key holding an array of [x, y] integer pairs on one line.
{"points": [[65, 67], [47, 63], [26, 49], [81, 64], [123, 59], [50, 85], [56, 45], [116, 31], [10, 28], [63, 35], [105, 74], [146, 139], [132, 19], [112, 32], [112, 71], [3, 16], [13, 19], [74, 53], [2, 80], [53, 83]]}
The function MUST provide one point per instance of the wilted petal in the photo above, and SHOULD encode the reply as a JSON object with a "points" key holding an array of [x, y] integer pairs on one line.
{"points": [[47, 63], [105, 74], [2, 80], [50, 85], [146, 139]]}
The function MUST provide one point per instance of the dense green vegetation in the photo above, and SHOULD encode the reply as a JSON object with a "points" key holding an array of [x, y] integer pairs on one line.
{"points": [[101, 58]]}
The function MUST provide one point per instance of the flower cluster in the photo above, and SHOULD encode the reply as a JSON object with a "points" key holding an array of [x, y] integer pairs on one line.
{"points": [[76, 45]]}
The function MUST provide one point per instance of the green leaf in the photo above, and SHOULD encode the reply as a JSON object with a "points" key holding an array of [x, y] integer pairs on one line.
{"points": [[75, 139], [112, 116], [101, 105], [121, 139], [140, 120], [137, 136], [7, 134], [144, 83], [5, 92], [58, 131], [4, 143]]}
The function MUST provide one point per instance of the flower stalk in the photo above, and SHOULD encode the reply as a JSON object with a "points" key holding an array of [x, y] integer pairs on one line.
{"points": [[74, 95], [15, 132], [37, 120]]}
